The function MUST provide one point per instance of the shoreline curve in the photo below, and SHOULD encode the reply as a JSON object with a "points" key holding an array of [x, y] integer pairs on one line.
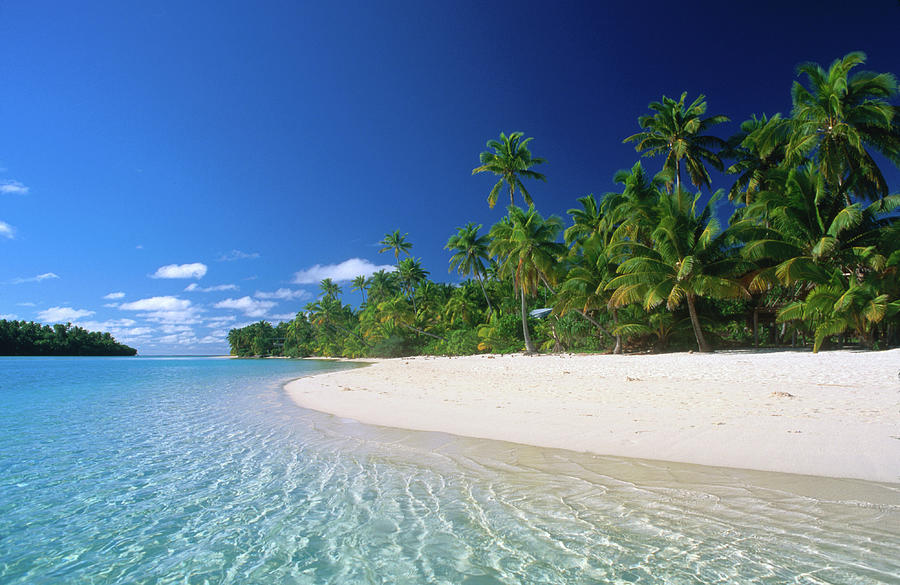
{"points": [[831, 414]]}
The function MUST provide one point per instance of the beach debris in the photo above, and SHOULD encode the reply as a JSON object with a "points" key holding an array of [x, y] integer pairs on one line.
{"points": [[782, 395], [346, 389], [630, 379]]}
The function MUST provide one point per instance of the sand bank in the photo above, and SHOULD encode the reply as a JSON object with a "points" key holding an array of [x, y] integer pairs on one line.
{"points": [[834, 414]]}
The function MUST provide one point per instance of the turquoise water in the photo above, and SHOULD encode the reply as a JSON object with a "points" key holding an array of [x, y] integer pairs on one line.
{"points": [[201, 470]]}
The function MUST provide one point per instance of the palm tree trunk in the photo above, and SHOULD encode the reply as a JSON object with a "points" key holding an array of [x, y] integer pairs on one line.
{"points": [[596, 324], [529, 347], [484, 292], [618, 348], [677, 175], [695, 322], [422, 331]]}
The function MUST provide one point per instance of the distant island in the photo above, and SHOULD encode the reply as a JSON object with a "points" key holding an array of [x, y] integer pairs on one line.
{"points": [[30, 338]]}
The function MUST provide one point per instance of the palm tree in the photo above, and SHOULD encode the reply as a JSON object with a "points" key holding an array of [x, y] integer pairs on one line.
{"points": [[329, 288], [410, 273], [470, 254], [811, 234], [633, 213], [586, 222], [680, 134], [758, 148], [690, 258], [839, 118], [526, 244], [384, 286], [584, 289], [397, 242], [398, 311], [361, 283], [510, 159]]}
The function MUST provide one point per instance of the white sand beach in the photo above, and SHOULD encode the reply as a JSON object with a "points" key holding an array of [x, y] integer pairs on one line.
{"points": [[834, 414]]}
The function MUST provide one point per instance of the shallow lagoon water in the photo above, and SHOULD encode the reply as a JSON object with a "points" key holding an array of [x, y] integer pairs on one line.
{"points": [[201, 470]]}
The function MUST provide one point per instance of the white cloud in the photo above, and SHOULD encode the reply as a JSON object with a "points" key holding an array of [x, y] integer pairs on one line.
{"points": [[63, 314], [237, 255], [114, 295], [346, 270], [284, 294], [194, 287], [157, 304], [108, 324], [38, 278], [195, 270], [8, 316], [165, 309], [13, 188], [7, 231], [248, 306], [219, 321], [26, 304]]}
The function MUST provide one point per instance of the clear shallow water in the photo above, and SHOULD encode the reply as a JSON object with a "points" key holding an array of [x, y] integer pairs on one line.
{"points": [[140, 470]]}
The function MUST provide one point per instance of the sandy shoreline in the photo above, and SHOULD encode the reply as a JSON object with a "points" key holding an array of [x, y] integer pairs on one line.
{"points": [[834, 414]]}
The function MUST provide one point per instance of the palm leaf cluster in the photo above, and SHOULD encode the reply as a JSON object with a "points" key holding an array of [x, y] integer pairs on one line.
{"points": [[805, 247]]}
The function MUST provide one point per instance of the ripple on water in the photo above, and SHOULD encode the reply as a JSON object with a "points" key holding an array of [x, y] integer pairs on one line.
{"points": [[202, 471]]}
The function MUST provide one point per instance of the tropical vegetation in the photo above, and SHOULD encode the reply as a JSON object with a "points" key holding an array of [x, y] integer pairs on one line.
{"points": [[799, 245], [30, 338]]}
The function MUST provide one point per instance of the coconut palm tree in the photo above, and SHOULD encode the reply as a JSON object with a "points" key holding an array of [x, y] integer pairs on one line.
{"points": [[361, 283], [689, 259], [510, 159], [811, 233], [758, 148], [410, 273], [679, 133], [633, 213], [840, 118], [329, 288], [384, 286], [470, 252], [584, 289], [399, 311], [526, 244], [586, 222], [397, 242]]}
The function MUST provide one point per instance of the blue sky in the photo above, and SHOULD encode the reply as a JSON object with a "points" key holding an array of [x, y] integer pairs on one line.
{"points": [[170, 170]]}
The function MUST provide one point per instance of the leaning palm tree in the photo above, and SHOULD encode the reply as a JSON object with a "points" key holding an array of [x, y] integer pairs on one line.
{"points": [[679, 133], [840, 118], [397, 242], [470, 252], [526, 244], [689, 259], [510, 159]]}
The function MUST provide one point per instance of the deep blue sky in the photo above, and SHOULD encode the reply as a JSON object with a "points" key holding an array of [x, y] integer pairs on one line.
{"points": [[137, 135]]}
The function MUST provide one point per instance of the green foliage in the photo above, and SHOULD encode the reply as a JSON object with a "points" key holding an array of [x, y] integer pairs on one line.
{"points": [[30, 338], [811, 254]]}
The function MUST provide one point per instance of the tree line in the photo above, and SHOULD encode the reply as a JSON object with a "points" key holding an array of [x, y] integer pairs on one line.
{"points": [[809, 255], [30, 338]]}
